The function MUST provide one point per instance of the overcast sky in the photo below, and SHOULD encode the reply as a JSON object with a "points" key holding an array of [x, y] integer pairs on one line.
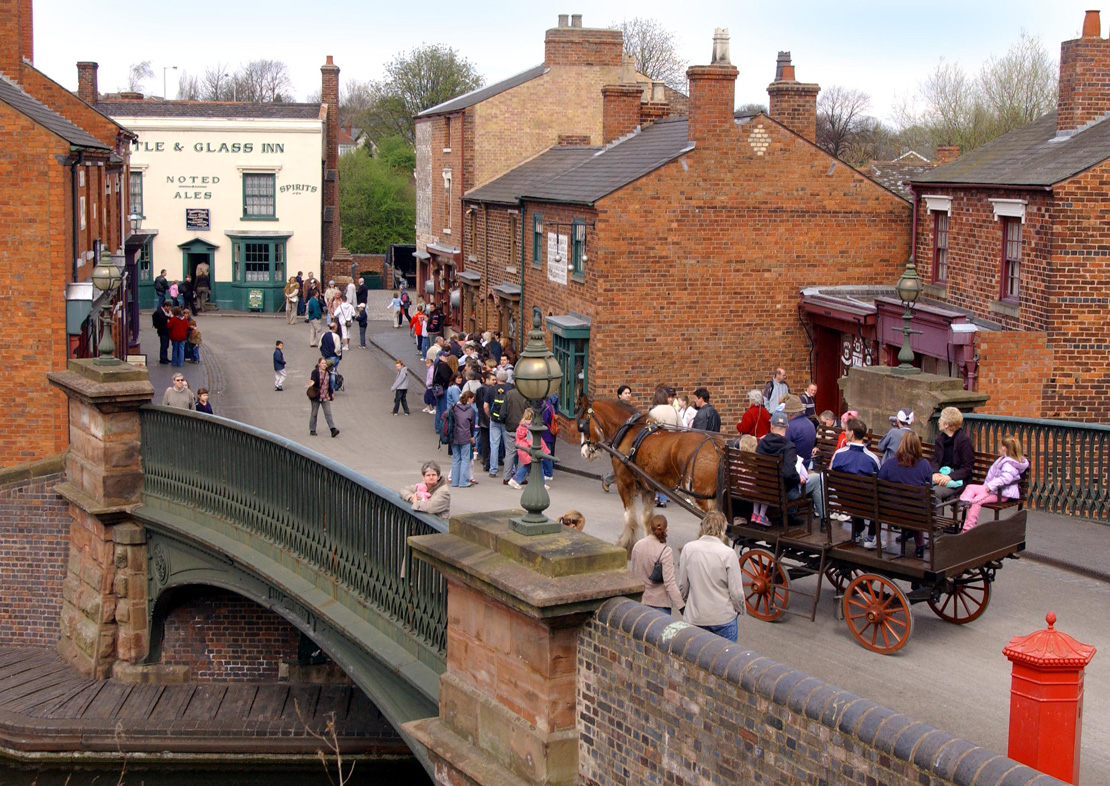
{"points": [[882, 48]]}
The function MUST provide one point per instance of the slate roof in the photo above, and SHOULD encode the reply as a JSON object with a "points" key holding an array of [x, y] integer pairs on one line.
{"points": [[13, 95], [553, 161], [617, 165], [896, 175], [1027, 156], [482, 93], [209, 109]]}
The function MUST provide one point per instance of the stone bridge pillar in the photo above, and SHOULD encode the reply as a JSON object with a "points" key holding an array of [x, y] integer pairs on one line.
{"points": [[104, 594], [515, 604], [877, 392]]}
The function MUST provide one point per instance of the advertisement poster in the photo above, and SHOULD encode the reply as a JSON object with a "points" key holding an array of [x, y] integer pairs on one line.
{"points": [[557, 258]]}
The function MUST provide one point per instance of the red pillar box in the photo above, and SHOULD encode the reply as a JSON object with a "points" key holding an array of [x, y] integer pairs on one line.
{"points": [[1046, 700]]}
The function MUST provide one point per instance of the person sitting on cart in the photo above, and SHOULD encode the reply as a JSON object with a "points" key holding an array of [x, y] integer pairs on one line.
{"points": [[855, 458], [907, 465], [778, 444]]}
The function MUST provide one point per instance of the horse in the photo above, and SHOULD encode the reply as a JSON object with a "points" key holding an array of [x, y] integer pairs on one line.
{"points": [[688, 462]]}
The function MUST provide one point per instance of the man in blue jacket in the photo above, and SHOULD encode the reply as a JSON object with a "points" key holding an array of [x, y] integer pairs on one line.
{"points": [[858, 460]]}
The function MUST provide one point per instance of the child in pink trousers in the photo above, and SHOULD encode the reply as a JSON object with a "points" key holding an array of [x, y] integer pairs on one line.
{"points": [[1001, 481]]}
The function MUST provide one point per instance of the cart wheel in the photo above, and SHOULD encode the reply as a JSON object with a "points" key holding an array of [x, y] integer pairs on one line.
{"points": [[840, 578], [964, 598], [878, 613], [766, 585]]}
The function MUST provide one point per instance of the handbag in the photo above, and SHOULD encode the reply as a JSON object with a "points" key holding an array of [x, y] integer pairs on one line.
{"points": [[437, 390], [656, 576], [313, 392]]}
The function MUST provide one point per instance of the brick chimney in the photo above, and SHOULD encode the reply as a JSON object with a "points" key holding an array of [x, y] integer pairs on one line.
{"points": [[655, 105], [87, 89], [570, 44], [15, 36], [329, 94], [712, 93], [1084, 78], [946, 153], [793, 103], [27, 30], [620, 110]]}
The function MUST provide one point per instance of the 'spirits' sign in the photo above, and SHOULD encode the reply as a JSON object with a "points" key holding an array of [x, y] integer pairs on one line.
{"points": [[208, 147], [297, 188]]}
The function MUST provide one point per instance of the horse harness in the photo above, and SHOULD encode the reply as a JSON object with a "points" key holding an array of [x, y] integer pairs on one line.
{"points": [[649, 429]]}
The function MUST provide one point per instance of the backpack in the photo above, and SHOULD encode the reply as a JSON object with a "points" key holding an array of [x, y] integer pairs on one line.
{"points": [[404, 299], [499, 410], [447, 427], [553, 419]]}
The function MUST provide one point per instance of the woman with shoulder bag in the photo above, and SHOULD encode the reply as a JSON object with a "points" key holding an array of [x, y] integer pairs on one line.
{"points": [[320, 394], [653, 563]]}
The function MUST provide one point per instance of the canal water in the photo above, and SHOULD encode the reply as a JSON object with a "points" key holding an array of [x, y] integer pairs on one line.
{"points": [[366, 773]]}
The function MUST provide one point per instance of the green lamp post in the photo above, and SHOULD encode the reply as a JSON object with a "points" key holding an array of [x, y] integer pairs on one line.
{"points": [[106, 278], [536, 376], [908, 289]]}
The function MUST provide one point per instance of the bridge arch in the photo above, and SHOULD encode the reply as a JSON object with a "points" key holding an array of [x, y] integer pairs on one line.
{"points": [[230, 506]]}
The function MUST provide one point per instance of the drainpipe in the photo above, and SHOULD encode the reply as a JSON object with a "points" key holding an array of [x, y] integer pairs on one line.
{"points": [[485, 270], [913, 236], [520, 326], [76, 207]]}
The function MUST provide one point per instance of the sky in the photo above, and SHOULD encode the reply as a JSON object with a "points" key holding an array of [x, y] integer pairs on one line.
{"points": [[882, 48]]}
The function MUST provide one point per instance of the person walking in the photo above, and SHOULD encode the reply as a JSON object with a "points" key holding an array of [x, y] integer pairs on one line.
{"points": [[624, 396], [320, 394], [344, 317], [161, 287], [462, 440], [203, 405], [178, 395], [775, 389], [400, 388], [361, 319], [315, 315], [279, 366], [709, 580], [515, 407], [394, 305], [178, 328], [497, 409], [161, 321], [660, 585], [331, 349], [292, 296], [524, 453]]}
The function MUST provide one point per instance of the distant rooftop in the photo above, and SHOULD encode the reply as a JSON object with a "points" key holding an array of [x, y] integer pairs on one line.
{"points": [[482, 93], [117, 107]]}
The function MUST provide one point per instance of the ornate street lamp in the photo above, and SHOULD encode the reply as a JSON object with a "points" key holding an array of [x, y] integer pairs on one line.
{"points": [[536, 375], [908, 289], [136, 222], [106, 277]]}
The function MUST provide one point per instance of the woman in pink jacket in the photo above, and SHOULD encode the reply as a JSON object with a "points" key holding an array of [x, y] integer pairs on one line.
{"points": [[1001, 481], [523, 447]]}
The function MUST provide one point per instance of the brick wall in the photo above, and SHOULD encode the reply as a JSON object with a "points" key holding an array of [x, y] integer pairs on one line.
{"points": [[35, 257], [710, 712], [1014, 368], [224, 637], [34, 550]]}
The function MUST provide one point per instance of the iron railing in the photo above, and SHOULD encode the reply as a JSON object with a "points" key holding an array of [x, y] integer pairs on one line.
{"points": [[1069, 462], [344, 525]]}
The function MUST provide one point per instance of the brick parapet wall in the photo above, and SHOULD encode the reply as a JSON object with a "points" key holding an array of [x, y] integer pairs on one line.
{"points": [[704, 710], [34, 550], [1014, 368]]}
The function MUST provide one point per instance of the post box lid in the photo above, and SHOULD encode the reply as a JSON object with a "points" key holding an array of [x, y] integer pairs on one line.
{"points": [[1049, 649]]}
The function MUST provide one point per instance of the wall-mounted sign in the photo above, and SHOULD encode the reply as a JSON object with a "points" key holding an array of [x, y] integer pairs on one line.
{"points": [[254, 300], [557, 258], [207, 147], [297, 188], [197, 219]]}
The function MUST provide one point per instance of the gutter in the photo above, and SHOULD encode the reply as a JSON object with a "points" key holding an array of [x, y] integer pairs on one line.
{"points": [[1001, 186]]}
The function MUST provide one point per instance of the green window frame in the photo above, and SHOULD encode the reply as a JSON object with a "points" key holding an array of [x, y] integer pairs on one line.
{"points": [[136, 188], [256, 260], [573, 355], [537, 238], [578, 248], [259, 196], [145, 262]]}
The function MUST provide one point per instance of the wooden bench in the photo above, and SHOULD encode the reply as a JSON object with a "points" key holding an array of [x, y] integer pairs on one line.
{"points": [[757, 479], [982, 465]]}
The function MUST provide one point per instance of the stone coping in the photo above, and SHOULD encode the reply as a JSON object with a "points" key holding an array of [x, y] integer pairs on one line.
{"points": [[33, 469], [947, 758]]}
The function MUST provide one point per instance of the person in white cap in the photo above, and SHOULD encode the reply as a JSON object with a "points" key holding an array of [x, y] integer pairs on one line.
{"points": [[900, 424]]}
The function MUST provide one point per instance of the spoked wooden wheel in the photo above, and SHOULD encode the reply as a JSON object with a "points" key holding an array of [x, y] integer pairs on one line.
{"points": [[766, 585], [878, 613], [840, 578], [964, 598]]}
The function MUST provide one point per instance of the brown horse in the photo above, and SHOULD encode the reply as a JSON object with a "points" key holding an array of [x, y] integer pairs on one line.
{"points": [[685, 461]]}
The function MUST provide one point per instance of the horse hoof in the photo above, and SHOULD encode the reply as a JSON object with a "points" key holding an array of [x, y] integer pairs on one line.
{"points": [[605, 487]]}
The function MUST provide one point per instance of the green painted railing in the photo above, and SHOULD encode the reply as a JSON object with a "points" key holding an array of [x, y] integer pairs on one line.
{"points": [[339, 522], [1069, 462]]}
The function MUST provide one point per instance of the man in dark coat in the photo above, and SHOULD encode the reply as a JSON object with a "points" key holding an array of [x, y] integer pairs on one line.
{"points": [[161, 321], [707, 418]]}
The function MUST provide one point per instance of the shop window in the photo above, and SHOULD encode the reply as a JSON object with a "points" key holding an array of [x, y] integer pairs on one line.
{"points": [[573, 355], [940, 247], [258, 261], [1011, 259], [537, 238], [146, 262], [578, 248], [258, 197], [137, 193]]}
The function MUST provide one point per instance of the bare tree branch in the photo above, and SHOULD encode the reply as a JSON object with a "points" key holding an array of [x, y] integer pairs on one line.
{"points": [[137, 74], [654, 52], [839, 116]]}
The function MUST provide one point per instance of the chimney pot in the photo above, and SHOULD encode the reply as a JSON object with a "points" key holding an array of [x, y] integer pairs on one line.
{"points": [[1092, 26], [787, 74], [576, 20], [563, 20], [720, 47], [330, 60], [658, 93], [793, 103], [783, 60]]}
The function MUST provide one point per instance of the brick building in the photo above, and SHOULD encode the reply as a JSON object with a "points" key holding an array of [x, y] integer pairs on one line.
{"points": [[675, 252], [1020, 224], [63, 192], [472, 139]]}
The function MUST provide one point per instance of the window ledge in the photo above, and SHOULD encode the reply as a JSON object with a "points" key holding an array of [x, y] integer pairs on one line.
{"points": [[578, 277], [938, 290], [1006, 308], [259, 218], [446, 231]]}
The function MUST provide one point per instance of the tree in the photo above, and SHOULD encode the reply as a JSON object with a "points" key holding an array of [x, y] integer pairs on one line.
{"points": [[840, 115], [216, 83], [415, 81], [355, 100], [377, 200], [262, 82], [188, 86], [137, 74], [1021, 85], [654, 52]]}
